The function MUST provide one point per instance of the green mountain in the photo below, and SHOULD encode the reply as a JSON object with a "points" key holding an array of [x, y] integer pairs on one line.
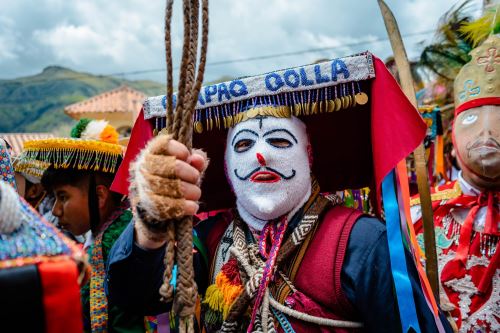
{"points": [[36, 103]]}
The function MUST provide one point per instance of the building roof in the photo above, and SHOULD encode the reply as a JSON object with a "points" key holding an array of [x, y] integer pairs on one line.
{"points": [[121, 99], [16, 140]]}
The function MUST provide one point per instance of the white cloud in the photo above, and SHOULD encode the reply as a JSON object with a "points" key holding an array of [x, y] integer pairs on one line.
{"points": [[9, 46], [102, 36], [73, 43]]}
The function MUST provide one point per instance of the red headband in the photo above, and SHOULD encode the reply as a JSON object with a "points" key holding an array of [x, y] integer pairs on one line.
{"points": [[475, 103]]}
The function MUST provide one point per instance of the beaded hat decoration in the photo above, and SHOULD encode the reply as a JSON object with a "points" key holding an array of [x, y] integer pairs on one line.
{"points": [[478, 82], [93, 146], [351, 106], [31, 170], [324, 87]]}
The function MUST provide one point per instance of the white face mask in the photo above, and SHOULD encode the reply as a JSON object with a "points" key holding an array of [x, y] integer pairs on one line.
{"points": [[268, 167]]}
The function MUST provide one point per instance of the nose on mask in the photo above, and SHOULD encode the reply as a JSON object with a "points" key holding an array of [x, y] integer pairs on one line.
{"points": [[269, 180]]}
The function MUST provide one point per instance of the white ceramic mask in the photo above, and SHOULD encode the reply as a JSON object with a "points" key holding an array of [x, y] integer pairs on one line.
{"points": [[268, 167]]}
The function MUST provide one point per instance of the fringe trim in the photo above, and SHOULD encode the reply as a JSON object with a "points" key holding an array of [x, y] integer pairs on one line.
{"points": [[304, 103], [33, 168], [72, 153], [220, 296]]}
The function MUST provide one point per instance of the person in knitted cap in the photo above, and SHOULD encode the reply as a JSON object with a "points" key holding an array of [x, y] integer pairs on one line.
{"points": [[467, 222], [282, 256], [79, 173]]}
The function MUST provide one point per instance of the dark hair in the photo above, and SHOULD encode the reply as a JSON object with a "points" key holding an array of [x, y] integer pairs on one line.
{"points": [[52, 178]]}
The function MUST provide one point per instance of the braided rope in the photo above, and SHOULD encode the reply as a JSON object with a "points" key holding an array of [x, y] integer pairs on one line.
{"points": [[179, 125], [167, 289], [185, 122], [253, 284], [168, 52], [313, 319], [181, 93]]}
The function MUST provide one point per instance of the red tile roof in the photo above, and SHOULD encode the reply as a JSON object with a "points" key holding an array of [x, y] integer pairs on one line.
{"points": [[122, 99], [16, 140]]}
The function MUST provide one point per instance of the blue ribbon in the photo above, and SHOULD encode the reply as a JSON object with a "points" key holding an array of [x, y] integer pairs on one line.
{"points": [[173, 279], [402, 284]]}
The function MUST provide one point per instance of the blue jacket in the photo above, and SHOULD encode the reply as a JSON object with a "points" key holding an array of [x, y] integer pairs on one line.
{"points": [[135, 276]]}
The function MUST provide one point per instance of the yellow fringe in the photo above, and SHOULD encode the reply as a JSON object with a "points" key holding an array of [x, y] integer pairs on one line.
{"points": [[64, 144], [304, 109], [214, 298], [221, 295], [230, 292]]}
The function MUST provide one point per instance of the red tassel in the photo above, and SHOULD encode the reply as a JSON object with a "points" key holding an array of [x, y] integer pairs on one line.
{"points": [[491, 224], [232, 272], [465, 236]]}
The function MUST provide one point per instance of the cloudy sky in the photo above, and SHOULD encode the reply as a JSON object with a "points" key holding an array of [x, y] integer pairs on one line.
{"points": [[124, 36]]}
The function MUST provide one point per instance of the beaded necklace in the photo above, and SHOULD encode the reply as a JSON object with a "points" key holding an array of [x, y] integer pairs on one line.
{"points": [[98, 299]]}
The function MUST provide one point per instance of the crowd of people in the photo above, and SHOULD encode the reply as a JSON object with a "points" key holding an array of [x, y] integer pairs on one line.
{"points": [[85, 228]]}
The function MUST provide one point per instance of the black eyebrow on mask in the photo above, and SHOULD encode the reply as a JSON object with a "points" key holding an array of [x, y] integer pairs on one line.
{"points": [[281, 130], [241, 131]]}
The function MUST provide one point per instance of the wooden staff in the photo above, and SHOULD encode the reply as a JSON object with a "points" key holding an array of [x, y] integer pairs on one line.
{"points": [[406, 80]]}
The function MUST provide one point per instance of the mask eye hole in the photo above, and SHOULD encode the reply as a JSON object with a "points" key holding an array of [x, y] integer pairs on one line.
{"points": [[243, 145], [279, 142], [469, 119]]}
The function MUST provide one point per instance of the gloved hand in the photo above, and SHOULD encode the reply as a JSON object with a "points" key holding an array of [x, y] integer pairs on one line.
{"points": [[165, 184]]}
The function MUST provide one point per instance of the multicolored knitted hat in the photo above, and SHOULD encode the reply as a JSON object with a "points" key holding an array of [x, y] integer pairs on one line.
{"points": [[6, 169], [39, 268], [93, 146]]}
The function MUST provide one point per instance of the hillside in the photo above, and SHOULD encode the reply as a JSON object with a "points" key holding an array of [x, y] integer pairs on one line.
{"points": [[36, 103]]}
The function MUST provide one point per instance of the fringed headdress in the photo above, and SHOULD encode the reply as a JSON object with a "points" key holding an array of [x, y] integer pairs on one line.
{"points": [[352, 108], [93, 146], [325, 87]]}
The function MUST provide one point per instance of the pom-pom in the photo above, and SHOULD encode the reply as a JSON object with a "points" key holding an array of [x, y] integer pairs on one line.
{"points": [[100, 130], [77, 130], [109, 134]]}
